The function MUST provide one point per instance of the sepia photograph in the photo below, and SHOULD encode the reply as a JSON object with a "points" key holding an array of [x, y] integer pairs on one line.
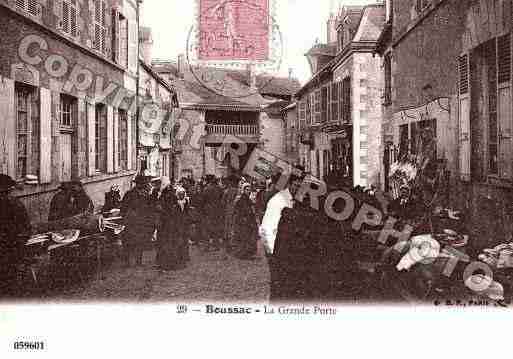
{"points": [[254, 159]]}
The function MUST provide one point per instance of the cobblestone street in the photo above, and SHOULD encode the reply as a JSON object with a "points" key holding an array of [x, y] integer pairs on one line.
{"points": [[210, 276]]}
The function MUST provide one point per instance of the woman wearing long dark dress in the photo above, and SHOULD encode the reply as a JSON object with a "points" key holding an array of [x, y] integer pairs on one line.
{"points": [[174, 231], [245, 226]]}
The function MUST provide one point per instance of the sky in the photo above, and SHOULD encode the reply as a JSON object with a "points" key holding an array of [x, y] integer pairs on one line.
{"points": [[301, 23]]}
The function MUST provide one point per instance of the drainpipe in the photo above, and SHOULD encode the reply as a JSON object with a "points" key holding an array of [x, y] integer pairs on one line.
{"points": [[138, 111]]}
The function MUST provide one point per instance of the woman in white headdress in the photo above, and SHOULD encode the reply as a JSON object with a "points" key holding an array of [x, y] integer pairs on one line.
{"points": [[174, 231]]}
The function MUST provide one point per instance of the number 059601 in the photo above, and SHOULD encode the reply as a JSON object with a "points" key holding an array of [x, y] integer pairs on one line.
{"points": [[29, 345]]}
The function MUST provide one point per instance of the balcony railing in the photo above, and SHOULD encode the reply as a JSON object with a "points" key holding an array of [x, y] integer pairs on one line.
{"points": [[235, 130]]}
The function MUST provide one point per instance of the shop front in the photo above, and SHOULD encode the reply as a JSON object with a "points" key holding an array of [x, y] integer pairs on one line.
{"points": [[339, 160]]}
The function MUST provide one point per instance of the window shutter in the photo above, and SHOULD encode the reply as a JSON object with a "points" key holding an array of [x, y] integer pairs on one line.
{"points": [[129, 140], [33, 7], [334, 102], [20, 4], [7, 127], [91, 145], [115, 136], [302, 114], [115, 35], [110, 139], [504, 107], [504, 58], [464, 116], [73, 15], [65, 17], [100, 31], [57, 9], [45, 135]]}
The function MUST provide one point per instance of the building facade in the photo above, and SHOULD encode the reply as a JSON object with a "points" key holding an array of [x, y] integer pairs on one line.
{"points": [[206, 118], [448, 67], [340, 107], [67, 96]]}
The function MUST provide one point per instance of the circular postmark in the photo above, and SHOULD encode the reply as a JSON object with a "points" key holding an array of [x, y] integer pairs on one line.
{"points": [[231, 38]]}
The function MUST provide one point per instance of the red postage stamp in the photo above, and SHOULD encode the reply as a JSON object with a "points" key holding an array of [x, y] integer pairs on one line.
{"points": [[234, 30]]}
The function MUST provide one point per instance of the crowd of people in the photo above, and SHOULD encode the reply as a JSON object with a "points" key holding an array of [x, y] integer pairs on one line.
{"points": [[305, 249]]}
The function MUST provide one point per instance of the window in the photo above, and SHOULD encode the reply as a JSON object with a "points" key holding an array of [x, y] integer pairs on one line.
{"points": [[420, 5], [123, 41], [308, 110], [123, 140], [30, 6], [324, 104], [69, 17], [403, 141], [334, 101], [67, 111], [491, 61], [27, 134], [346, 100], [388, 79], [302, 114], [100, 23], [317, 106], [100, 138]]}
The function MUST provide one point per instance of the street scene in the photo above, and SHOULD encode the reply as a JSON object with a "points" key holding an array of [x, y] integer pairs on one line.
{"points": [[360, 155]]}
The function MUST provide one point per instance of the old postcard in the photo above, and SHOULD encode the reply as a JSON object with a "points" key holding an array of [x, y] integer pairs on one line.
{"points": [[248, 161]]}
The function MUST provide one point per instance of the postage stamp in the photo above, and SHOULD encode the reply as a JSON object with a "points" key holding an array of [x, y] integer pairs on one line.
{"points": [[234, 35]]}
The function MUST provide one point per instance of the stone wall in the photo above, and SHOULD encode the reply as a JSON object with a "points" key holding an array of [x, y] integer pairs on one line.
{"points": [[272, 134], [191, 159]]}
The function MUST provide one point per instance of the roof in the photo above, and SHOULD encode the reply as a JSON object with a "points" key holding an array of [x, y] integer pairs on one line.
{"points": [[192, 92], [372, 23], [165, 67], [323, 49], [368, 29], [159, 79]]}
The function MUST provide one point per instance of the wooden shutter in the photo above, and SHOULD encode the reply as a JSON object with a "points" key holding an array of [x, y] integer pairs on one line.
{"points": [[73, 18], [504, 107], [464, 116], [33, 7], [100, 30], [324, 104], [115, 137], [334, 102], [30, 6], [129, 140], [110, 139], [91, 144], [302, 114], [45, 133], [115, 36], [7, 127]]}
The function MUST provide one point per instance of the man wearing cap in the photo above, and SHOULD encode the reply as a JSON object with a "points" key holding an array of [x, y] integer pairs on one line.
{"points": [[140, 218], [14, 230]]}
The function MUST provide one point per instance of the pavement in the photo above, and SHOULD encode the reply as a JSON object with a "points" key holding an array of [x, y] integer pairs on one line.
{"points": [[209, 277]]}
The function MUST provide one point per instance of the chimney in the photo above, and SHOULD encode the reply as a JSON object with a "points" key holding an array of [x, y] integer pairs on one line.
{"points": [[332, 29], [182, 66], [146, 44], [252, 76], [291, 71]]}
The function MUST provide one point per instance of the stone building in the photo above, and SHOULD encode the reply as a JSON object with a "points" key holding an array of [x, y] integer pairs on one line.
{"points": [[249, 109], [339, 107], [68, 73], [157, 100], [448, 67]]}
